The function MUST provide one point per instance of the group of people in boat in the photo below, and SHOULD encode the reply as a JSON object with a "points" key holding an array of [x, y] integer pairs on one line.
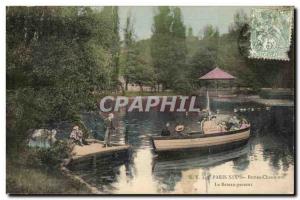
{"points": [[208, 125]]}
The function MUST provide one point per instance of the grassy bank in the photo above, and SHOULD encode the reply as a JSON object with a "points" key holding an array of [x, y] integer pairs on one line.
{"points": [[26, 175]]}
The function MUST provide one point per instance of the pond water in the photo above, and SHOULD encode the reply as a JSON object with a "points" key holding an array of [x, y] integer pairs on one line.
{"points": [[264, 165]]}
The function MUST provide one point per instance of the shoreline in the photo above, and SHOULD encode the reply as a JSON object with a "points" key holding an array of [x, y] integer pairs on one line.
{"points": [[65, 171]]}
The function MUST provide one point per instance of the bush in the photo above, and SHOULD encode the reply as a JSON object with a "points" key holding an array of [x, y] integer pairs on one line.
{"points": [[55, 154]]}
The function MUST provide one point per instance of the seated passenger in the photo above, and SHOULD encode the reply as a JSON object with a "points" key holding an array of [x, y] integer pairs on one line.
{"points": [[165, 131], [202, 124], [211, 126], [244, 124], [223, 127], [233, 123], [179, 128]]}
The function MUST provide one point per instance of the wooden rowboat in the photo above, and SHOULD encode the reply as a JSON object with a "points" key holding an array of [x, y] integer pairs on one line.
{"points": [[200, 141]]}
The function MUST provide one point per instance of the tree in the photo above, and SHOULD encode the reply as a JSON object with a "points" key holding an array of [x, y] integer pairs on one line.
{"points": [[137, 67], [160, 44], [108, 34], [129, 52], [206, 56], [240, 18], [179, 51], [56, 58], [190, 32], [115, 44], [168, 48], [143, 75]]}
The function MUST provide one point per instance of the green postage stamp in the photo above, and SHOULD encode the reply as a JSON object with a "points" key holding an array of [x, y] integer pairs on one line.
{"points": [[271, 32]]}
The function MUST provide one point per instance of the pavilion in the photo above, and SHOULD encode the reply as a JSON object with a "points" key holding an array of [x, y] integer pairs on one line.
{"points": [[217, 74]]}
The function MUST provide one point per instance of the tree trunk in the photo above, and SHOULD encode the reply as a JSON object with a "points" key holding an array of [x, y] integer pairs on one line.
{"points": [[141, 87], [126, 85]]}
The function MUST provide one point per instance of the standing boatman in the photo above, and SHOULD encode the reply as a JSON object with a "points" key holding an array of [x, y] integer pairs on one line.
{"points": [[109, 125]]}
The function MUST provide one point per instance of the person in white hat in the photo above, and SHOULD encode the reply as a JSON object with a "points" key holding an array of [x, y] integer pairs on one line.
{"points": [[179, 128]]}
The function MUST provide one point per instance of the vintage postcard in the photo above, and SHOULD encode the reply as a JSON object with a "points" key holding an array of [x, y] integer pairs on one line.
{"points": [[153, 100]]}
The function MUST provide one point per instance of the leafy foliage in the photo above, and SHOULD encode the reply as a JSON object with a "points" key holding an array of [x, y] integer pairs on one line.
{"points": [[53, 156], [168, 47], [57, 57], [137, 67]]}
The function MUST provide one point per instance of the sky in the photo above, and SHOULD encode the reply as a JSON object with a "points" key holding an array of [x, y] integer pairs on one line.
{"points": [[195, 17]]}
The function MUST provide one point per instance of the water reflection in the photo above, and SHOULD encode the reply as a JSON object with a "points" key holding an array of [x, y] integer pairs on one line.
{"points": [[269, 152], [142, 180], [188, 168]]}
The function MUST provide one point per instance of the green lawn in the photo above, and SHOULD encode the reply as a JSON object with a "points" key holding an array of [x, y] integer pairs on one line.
{"points": [[27, 176]]}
